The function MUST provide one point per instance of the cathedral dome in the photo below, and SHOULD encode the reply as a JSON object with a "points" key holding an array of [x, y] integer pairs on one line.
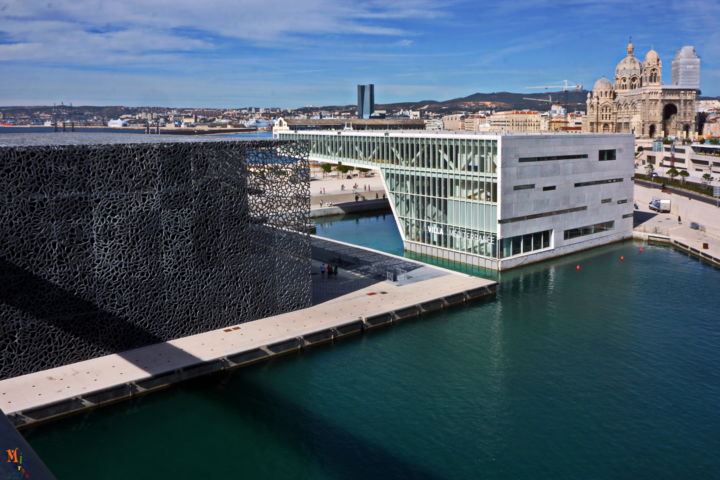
{"points": [[629, 65], [602, 84], [652, 57]]}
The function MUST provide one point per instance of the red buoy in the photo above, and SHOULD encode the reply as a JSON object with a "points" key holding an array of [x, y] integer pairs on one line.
{"points": [[622, 257], [577, 267], [640, 249]]}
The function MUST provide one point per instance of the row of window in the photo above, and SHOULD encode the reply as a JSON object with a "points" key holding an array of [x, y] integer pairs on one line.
{"points": [[552, 157], [536, 241], [589, 230], [524, 243], [598, 182], [603, 155], [530, 186], [540, 215]]}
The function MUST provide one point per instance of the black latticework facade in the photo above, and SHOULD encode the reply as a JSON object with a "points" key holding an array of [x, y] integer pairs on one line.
{"points": [[108, 247]]}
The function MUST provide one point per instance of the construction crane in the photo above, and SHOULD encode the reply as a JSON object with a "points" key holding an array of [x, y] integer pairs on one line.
{"points": [[566, 86], [548, 100]]}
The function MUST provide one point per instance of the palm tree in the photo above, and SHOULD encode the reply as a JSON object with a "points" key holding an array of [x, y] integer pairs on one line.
{"points": [[649, 169], [326, 168], [707, 177], [683, 175], [672, 173]]}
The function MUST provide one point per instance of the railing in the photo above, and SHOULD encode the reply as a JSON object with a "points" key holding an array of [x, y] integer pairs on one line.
{"points": [[430, 132]]}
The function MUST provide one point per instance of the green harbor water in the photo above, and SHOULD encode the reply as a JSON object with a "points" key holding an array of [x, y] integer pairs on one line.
{"points": [[609, 372]]}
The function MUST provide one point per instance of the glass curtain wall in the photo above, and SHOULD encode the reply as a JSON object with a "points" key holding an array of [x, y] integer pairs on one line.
{"points": [[444, 190]]}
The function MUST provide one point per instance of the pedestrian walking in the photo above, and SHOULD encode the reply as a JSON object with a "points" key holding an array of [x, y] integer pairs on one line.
{"points": [[376, 195], [322, 270], [336, 270], [329, 270], [356, 197], [679, 219]]}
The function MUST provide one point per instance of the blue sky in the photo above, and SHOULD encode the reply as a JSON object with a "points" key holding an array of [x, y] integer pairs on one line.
{"points": [[292, 53]]}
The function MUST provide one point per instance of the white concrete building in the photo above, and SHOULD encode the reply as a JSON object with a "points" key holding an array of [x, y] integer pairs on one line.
{"points": [[494, 200], [518, 121], [697, 159], [576, 189]]}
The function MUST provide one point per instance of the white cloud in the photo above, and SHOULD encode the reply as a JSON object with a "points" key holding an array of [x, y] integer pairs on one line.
{"points": [[79, 31]]}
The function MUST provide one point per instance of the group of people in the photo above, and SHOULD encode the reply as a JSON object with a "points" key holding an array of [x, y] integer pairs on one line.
{"points": [[329, 269]]}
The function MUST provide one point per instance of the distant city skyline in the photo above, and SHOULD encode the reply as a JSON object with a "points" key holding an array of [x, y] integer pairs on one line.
{"points": [[315, 52]]}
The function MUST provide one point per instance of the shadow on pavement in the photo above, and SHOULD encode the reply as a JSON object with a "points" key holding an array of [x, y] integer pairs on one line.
{"points": [[641, 217]]}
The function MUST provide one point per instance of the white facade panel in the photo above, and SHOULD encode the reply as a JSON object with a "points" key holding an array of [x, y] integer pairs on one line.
{"points": [[594, 204]]}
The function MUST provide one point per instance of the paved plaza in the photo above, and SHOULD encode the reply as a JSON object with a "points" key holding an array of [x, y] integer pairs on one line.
{"points": [[336, 188], [679, 222]]}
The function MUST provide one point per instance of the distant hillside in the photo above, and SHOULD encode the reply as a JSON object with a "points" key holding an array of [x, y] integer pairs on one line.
{"points": [[484, 101]]}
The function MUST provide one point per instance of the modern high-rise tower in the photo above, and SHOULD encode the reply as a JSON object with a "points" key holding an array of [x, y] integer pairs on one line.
{"points": [[366, 100], [686, 68]]}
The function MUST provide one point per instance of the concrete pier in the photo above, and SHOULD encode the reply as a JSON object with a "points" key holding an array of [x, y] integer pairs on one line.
{"points": [[341, 311]]}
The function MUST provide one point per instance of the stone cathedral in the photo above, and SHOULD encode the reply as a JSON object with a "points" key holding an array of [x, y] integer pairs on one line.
{"points": [[638, 102]]}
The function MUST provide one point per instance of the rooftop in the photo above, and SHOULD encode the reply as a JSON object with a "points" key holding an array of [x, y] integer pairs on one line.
{"points": [[352, 121], [450, 134]]}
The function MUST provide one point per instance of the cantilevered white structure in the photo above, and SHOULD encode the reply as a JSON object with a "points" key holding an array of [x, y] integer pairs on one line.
{"points": [[495, 201]]}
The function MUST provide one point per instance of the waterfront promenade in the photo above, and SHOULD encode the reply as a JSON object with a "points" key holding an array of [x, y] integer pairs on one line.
{"points": [[335, 194], [354, 301], [337, 188], [688, 211]]}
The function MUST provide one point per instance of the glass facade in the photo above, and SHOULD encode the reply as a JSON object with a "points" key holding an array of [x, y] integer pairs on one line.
{"points": [[443, 190], [525, 243], [589, 230]]}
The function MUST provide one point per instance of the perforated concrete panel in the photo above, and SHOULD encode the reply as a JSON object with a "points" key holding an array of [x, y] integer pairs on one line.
{"points": [[111, 242]]}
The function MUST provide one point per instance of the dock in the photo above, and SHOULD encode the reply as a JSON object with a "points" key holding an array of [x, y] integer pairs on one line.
{"points": [[373, 290]]}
